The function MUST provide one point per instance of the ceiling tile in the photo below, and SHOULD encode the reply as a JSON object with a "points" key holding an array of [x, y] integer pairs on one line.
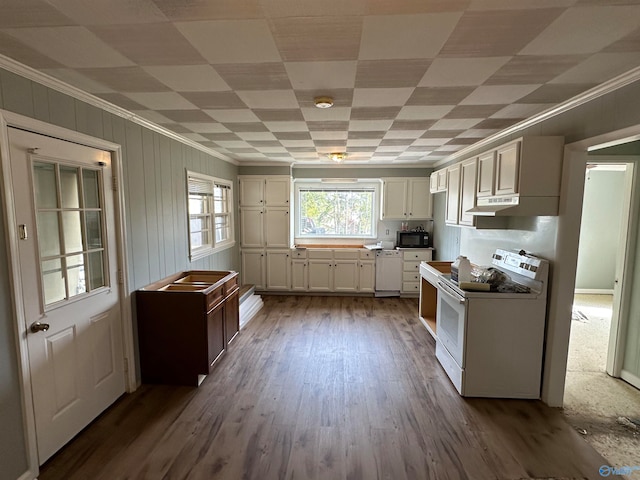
{"points": [[369, 125], [519, 5], [292, 135], [254, 76], [456, 124], [155, 117], [412, 124], [390, 73], [327, 126], [317, 38], [499, 94], [365, 142], [406, 36], [218, 40], [269, 99], [104, 12], [439, 95], [196, 137], [521, 110], [260, 139], [374, 113], [432, 142], [286, 126], [585, 30], [13, 48], [381, 97], [240, 127], [275, 115], [176, 127], [181, 116], [189, 78], [267, 149], [497, 33], [125, 79], [162, 101], [70, 46], [321, 75], [533, 69], [386, 142], [228, 144], [600, 67], [332, 144], [498, 123], [120, 100], [313, 8], [390, 149], [205, 10], [297, 143], [356, 135], [450, 72], [219, 100], [554, 93], [216, 137], [206, 127], [231, 115], [473, 111], [406, 134], [462, 141], [441, 133], [424, 112], [628, 43], [77, 79], [31, 13], [324, 135], [326, 114], [477, 133]]}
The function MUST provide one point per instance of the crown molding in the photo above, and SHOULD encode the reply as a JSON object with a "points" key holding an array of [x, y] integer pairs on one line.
{"points": [[25, 71], [605, 88]]}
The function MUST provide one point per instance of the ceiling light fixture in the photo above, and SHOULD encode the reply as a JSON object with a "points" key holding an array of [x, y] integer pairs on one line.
{"points": [[336, 157], [323, 102]]}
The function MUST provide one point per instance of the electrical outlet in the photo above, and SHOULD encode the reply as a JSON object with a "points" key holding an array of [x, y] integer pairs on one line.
{"points": [[387, 232]]}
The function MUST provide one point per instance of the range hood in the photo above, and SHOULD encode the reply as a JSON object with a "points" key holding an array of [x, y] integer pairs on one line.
{"points": [[515, 205]]}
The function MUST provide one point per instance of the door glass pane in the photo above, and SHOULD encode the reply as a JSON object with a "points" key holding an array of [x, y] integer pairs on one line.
{"points": [[72, 232], [96, 269], [48, 234], [53, 281], [75, 275], [69, 187], [91, 189], [94, 230], [44, 176]]}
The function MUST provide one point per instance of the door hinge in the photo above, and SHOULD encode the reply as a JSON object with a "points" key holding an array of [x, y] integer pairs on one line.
{"points": [[114, 183]]}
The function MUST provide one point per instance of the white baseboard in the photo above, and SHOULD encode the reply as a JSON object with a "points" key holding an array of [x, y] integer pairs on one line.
{"points": [[249, 308], [593, 291], [630, 378]]}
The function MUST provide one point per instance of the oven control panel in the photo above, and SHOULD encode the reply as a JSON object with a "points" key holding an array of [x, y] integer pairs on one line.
{"points": [[520, 262]]}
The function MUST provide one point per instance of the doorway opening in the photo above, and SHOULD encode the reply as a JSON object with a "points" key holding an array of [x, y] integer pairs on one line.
{"points": [[599, 405]]}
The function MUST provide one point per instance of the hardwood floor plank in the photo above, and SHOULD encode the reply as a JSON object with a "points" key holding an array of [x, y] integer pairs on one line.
{"points": [[339, 388]]}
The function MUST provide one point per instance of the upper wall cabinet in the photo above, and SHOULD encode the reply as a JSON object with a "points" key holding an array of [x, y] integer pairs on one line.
{"points": [[269, 191], [406, 199], [438, 181]]}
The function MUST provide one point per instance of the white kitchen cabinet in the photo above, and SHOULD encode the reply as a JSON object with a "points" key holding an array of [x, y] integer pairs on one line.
{"points": [[268, 190], [433, 183], [251, 227], [320, 275], [468, 181], [276, 227], [277, 191], [299, 275], [411, 259], [251, 191], [406, 199], [438, 181], [278, 270], [507, 168], [486, 169], [253, 265], [367, 276], [345, 275], [452, 205]]}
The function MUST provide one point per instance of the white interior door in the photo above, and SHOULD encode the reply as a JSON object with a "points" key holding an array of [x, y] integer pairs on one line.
{"points": [[65, 215]]}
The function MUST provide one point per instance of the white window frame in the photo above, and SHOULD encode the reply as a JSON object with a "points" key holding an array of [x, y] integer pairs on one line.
{"points": [[338, 184], [213, 246]]}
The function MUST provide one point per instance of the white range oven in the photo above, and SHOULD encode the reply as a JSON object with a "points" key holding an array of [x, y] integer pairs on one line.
{"points": [[491, 343]]}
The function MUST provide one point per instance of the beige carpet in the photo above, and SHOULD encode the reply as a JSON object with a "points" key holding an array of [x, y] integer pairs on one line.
{"points": [[604, 409]]}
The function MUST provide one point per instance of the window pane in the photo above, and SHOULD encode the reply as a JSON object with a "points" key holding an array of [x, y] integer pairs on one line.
{"points": [[69, 187], [96, 269], [72, 232], [91, 189], [222, 228], [221, 199], [75, 275], [200, 239], [94, 229], [53, 281], [199, 203], [44, 176], [48, 234], [339, 212]]}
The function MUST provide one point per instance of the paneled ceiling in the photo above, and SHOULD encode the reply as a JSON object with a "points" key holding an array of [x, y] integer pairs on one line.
{"points": [[412, 80]]}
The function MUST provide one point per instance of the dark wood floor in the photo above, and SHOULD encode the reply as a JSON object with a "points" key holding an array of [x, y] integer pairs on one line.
{"points": [[326, 388]]}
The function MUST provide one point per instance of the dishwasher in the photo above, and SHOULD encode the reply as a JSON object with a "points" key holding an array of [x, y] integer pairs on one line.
{"points": [[388, 273]]}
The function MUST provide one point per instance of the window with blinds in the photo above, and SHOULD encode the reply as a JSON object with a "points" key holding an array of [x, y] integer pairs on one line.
{"points": [[336, 210], [210, 214]]}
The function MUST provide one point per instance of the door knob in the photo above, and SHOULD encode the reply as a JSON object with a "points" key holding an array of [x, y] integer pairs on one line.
{"points": [[39, 327]]}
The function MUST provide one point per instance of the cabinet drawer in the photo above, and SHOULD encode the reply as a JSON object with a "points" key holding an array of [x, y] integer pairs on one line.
{"points": [[367, 255], [410, 276], [345, 254], [299, 253], [320, 253], [230, 285], [410, 287], [214, 298], [421, 255], [411, 266]]}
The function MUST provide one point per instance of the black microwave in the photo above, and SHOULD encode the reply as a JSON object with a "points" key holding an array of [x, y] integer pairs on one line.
{"points": [[413, 240]]}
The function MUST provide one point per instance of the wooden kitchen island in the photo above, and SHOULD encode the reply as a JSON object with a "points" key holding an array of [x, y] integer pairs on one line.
{"points": [[185, 324]]}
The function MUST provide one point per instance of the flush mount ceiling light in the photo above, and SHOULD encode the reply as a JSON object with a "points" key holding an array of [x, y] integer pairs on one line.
{"points": [[323, 102], [336, 157]]}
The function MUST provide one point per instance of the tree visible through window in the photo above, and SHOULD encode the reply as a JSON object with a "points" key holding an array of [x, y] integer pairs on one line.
{"points": [[337, 211]]}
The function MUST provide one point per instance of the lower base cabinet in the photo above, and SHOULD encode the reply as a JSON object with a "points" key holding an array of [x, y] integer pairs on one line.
{"points": [[185, 323]]}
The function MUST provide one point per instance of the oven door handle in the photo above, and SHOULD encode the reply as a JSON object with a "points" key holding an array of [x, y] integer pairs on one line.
{"points": [[446, 289]]}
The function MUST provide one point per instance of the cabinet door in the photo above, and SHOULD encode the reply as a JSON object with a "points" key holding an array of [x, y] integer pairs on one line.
{"points": [[251, 192], [299, 277], [507, 169], [452, 205], [486, 171], [442, 180], [253, 266], [320, 275], [278, 270], [276, 227], [468, 178], [251, 226], [394, 199], [276, 191], [419, 199], [345, 275], [367, 280], [215, 335], [232, 316], [433, 182]]}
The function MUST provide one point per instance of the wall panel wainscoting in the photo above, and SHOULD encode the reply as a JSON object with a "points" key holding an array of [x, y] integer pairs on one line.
{"points": [[326, 387]]}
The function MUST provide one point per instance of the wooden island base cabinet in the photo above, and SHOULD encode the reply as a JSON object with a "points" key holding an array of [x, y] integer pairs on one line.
{"points": [[185, 324]]}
